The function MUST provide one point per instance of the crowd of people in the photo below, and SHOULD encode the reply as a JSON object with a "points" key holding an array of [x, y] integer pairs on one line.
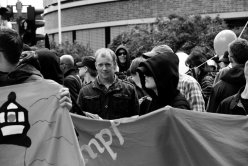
{"points": [[112, 85]]}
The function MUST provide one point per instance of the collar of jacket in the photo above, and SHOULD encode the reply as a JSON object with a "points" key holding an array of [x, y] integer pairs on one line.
{"points": [[236, 102], [116, 86], [72, 71], [23, 73]]}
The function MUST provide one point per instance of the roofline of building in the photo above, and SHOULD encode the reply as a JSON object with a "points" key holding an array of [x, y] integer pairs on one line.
{"points": [[53, 7]]}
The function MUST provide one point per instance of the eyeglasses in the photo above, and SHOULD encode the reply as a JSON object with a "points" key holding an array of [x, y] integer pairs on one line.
{"points": [[121, 53]]}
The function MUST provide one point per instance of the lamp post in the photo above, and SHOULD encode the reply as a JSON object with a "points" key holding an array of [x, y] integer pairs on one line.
{"points": [[19, 17]]}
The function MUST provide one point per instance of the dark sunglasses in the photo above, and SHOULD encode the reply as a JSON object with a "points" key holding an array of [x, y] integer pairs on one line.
{"points": [[121, 53]]}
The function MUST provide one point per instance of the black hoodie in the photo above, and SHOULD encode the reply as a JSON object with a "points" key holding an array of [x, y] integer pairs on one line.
{"points": [[229, 84], [164, 70], [123, 67], [50, 65]]}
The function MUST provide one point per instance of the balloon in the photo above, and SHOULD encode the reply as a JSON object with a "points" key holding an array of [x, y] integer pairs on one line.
{"points": [[221, 41], [182, 58]]}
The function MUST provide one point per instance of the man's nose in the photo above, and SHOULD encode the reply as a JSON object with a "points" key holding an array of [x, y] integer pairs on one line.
{"points": [[104, 67]]}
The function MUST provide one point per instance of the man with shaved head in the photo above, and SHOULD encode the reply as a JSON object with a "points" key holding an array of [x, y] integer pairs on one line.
{"points": [[71, 79], [66, 63]]}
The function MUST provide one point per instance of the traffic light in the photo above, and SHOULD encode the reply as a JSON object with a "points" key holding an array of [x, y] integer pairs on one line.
{"points": [[30, 25]]}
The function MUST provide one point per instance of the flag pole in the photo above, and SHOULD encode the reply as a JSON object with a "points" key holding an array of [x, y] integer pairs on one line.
{"points": [[243, 30], [59, 22]]}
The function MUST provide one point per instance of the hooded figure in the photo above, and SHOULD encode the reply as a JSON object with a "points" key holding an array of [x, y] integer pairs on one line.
{"points": [[163, 68], [50, 65], [123, 61]]}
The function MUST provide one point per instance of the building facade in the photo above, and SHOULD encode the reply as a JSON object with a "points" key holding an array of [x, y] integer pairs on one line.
{"points": [[97, 22]]}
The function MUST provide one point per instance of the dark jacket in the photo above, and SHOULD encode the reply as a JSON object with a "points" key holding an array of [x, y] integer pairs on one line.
{"points": [[164, 70], [233, 105], [140, 92], [119, 101], [74, 84], [229, 84]]}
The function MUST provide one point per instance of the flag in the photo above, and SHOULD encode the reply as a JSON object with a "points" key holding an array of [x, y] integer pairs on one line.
{"points": [[166, 137], [34, 129]]}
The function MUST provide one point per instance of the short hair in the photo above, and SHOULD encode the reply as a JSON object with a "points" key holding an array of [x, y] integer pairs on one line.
{"points": [[196, 57], [11, 45], [135, 64], [92, 72], [104, 52], [239, 50], [69, 59]]}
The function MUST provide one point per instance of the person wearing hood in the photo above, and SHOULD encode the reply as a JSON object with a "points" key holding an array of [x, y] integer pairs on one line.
{"points": [[49, 63], [123, 61], [159, 78], [14, 70], [234, 78], [236, 104]]}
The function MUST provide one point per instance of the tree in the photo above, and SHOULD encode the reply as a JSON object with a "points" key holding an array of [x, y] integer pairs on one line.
{"points": [[181, 33], [76, 50]]}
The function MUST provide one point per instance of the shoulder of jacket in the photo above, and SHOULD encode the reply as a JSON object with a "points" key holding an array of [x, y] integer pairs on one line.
{"points": [[125, 82], [88, 85]]}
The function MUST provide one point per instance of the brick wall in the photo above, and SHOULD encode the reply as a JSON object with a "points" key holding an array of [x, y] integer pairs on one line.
{"points": [[137, 9], [129, 10], [95, 38]]}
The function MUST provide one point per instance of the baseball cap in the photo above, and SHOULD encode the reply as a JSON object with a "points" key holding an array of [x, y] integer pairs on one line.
{"points": [[88, 61], [156, 50]]}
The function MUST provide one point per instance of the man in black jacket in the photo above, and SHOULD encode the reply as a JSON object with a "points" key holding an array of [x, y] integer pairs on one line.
{"points": [[233, 79], [108, 96], [71, 80], [236, 104]]}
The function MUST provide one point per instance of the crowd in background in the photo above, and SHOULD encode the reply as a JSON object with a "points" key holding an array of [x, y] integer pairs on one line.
{"points": [[112, 85]]}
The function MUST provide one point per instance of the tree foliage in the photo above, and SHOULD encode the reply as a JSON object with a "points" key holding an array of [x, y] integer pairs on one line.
{"points": [[77, 50], [181, 33]]}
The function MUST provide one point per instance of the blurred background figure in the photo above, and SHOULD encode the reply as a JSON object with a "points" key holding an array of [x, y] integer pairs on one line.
{"points": [[236, 104], [224, 66], [5, 15], [157, 49], [213, 66], [49, 63], [134, 78], [200, 70], [233, 79], [188, 86], [66, 63], [71, 79], [87, 69], [224, 60], [123, 61]]}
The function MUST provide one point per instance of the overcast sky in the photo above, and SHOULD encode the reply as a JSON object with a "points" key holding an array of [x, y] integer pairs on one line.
{"points": [[36, 3]]}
